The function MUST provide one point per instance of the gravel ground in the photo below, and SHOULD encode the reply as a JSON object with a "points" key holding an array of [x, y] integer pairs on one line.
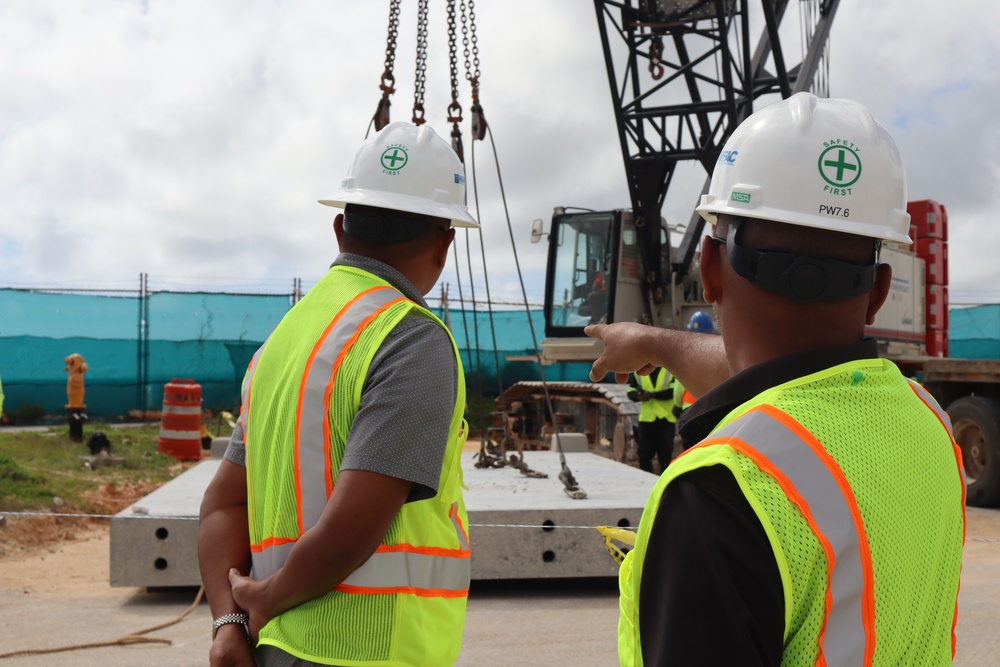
{"points": [[60, 597]]}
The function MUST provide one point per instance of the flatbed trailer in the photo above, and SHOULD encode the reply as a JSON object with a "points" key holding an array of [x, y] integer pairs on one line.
{"points": [[969, 390]]}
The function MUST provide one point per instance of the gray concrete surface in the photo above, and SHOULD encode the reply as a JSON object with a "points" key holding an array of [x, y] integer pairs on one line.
{"points": [[63, 598], [525, 527]]}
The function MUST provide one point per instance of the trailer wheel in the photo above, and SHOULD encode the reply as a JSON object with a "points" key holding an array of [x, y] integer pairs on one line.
{"points": [[976, 423]]}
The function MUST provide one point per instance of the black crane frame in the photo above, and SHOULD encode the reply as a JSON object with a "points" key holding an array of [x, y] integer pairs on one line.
{"points": [[655, 138]]}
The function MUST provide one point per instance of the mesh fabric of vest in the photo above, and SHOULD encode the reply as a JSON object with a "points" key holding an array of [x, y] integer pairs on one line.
{"points": [[344, 628], [902, 470]]}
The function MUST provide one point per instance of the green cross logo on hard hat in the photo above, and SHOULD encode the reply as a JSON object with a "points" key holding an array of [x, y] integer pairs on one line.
{"points": [[839, 165], [394, 158]]}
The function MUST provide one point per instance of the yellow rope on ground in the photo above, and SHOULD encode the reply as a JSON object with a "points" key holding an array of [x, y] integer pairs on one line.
{"points": [[125, 640]]}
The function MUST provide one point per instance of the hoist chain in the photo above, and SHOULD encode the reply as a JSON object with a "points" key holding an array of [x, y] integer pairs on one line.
{"points": [[469, 36], [472, 68], [388, 81], [454, 109], [421, 75], [655, 64]]}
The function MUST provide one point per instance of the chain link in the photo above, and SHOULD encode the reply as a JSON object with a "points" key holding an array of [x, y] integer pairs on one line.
{"points": [[454, 109], [470, 46], [388, 81], [390, 48], [475, 44], [655, 64], [420, 78]]}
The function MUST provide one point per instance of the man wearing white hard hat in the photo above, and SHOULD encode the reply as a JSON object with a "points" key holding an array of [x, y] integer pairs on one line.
{"points": [[817, 517], [342, 488]]}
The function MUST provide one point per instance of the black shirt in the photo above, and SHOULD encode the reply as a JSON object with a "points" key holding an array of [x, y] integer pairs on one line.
{"points": [[711, 593]]}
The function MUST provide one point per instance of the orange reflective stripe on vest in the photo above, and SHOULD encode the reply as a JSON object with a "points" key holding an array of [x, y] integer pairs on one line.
{"points": [[813, 481]]}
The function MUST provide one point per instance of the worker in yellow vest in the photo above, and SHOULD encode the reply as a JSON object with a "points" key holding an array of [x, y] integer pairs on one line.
{"points": [[819, 517], [341, 491], [655, 431]]}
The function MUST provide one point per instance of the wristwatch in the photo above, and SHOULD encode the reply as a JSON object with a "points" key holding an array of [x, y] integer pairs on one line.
{"points": [[237, 617]]}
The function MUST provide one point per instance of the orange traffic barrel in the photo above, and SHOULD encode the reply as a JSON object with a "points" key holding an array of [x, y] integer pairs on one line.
{"points": [[180, 428]]}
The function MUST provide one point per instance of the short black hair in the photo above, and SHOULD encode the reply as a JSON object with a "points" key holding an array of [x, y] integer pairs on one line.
{"points": [[382, 225]]}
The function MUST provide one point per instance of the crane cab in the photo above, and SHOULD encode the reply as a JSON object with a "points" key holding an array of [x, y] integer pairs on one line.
{"points": [[594, 275]]}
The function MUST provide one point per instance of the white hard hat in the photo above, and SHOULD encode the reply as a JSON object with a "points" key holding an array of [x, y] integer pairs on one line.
{"points": [[824, 163], [407, 168]]}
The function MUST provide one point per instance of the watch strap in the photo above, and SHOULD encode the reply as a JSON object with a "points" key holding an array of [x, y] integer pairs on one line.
{"points": [[227, 619]]}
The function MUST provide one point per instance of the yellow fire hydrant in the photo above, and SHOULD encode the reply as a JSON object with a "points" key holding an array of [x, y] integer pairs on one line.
{"points": [[76, 367]]}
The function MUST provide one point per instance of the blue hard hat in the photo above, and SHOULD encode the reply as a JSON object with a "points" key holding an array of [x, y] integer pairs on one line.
{"points": [[701, 322]]}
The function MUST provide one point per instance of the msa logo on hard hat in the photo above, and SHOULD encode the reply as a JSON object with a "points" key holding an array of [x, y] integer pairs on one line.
{"points": [[393, 159], [741, 197], [840, 166], [727, 157]]}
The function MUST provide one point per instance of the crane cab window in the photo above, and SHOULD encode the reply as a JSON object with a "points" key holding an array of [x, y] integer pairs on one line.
{"points": [[580, 280]]}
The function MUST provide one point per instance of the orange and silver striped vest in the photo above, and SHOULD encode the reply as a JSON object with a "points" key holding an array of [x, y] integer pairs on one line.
{"points": [[858, 484], [406, 604]]}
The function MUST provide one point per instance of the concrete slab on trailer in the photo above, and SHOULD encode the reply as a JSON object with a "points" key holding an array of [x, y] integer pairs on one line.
{"points": [[521, 527], [527, 528], [154, 540]]}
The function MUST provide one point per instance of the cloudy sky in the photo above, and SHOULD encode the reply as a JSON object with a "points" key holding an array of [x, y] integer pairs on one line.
{"points": [[190, 140]]}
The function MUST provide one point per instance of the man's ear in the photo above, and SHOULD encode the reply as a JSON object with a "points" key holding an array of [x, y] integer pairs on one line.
{"points": [[338, 227], [443, 245], [879, 293], [710, 269]]}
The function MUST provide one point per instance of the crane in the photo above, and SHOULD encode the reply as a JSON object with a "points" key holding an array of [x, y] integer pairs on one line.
{"points": [[682, 75]]}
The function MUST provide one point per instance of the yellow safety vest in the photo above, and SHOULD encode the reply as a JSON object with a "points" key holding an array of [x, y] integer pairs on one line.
{"points": [[852, 477], [405, 606], [654, 409]]}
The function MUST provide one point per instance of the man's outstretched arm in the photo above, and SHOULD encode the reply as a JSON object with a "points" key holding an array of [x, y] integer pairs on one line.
{"points": [[697, 360]]}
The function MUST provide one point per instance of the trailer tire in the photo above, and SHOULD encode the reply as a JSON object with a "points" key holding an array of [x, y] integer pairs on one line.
{"points": [[975, 422]]}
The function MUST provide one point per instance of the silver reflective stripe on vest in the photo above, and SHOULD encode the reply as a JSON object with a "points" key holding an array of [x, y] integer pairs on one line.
{"points": [[313, 458], [933, 405], [411, 570], [385, 569], [844, 637], [459, 531]]}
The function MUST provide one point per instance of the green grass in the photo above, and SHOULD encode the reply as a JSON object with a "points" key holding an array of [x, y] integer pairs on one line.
{"points": [[38, 466]]}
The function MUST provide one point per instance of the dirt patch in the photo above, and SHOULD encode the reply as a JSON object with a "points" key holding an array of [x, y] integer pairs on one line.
{"points": [[21, 537], [25, 536], [112, 498], [75, 564]]}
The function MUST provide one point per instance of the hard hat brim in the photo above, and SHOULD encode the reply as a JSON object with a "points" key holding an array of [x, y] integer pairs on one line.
{"points": [[458, 215]]}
